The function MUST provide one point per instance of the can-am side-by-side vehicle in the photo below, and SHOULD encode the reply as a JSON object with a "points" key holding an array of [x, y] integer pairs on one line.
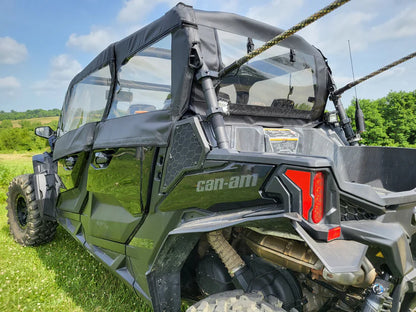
{"points": [[225, 184]]}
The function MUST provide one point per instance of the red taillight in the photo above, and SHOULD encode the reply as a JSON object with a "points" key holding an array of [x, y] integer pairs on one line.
{"points": [[303, 180], [318, 197]]}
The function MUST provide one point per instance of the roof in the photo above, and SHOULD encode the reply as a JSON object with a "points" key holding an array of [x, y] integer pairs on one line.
{"points": [[189, 26]]}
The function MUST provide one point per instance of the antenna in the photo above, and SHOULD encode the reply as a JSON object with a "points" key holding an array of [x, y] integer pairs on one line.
{"points": [[352, 69], [359, 115]]}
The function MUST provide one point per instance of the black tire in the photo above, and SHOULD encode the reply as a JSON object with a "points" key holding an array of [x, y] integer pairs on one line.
{"points": [[26, 223], [409, 303], [235, 300]]}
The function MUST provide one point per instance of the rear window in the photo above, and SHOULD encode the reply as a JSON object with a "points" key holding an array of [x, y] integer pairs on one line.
{"points": [[144, 81], [279, 81]]}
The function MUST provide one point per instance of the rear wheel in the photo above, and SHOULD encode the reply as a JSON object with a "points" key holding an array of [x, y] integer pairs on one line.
{"points": [[235, 300], [409, 303], [27, 225]]}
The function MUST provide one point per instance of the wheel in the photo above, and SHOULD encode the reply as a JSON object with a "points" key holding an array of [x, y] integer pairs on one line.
{"points": [[26, 223], [409, 303], [235, 300]]}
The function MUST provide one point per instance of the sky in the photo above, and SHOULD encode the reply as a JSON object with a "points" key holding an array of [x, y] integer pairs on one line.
{"points": [[44, 43]]}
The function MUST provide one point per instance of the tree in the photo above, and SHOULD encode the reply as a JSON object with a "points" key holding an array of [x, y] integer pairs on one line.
{"points": [[400, 115], [6, 124], [13, 115], [390, 121]]}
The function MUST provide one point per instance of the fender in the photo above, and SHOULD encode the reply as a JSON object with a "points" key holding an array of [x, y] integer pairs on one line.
{"points": [[46, 184], [164, 275], [166, 268], [339, 256]]}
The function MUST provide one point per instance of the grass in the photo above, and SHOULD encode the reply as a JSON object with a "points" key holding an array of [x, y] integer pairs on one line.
{"points": [[59, 276]]}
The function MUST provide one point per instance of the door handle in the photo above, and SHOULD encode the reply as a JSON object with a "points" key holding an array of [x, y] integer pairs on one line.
{"points": [[70, 162], [101, 160]]}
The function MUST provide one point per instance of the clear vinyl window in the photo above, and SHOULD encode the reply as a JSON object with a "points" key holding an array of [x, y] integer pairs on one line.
{"points": [[279, 79], [144, 81], [87, 100]]}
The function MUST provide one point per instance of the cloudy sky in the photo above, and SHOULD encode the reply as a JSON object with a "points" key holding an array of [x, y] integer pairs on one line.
{"points": [[44, 43]]}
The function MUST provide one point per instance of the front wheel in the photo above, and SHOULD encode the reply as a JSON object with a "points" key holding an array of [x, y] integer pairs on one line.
{"points": [[235, 300], [27, 225]]}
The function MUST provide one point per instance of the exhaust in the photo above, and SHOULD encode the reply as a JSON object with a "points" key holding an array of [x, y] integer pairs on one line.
{"points": [[298, 257]]}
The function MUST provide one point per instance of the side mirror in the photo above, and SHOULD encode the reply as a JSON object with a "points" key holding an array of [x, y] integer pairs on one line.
{"points": [[44, 132]]}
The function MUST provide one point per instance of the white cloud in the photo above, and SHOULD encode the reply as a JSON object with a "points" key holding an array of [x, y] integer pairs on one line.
{"points": [[9, 85], [331, 35], [131, 14], [275, 12], [400, 26], [230, 6], [134, 10], [62, 69], [364, 23], [12, 52], [95, 41], [9, 82], [341, 81]]}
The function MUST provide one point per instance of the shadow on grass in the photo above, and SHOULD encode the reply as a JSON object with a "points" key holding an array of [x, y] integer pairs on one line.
{"points": [[84, 279], [4, 230]]}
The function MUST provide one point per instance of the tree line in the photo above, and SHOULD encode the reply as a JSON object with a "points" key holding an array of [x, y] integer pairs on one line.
{"points": [[22, 138], [33, 113], [390, 121]]}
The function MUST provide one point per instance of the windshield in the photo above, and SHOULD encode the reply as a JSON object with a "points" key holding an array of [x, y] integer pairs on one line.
{"points": [[87, 101], [278, 82]]}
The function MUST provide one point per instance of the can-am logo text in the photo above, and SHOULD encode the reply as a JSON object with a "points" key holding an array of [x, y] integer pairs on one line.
{"points": [[248, 180]]}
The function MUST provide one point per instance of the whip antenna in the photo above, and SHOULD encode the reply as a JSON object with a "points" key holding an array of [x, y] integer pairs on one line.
{"points": [[359, 115], [352, 68], [284, 35]]}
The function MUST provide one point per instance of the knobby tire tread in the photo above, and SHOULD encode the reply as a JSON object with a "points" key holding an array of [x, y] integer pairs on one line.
{"points": [[37, 230]]}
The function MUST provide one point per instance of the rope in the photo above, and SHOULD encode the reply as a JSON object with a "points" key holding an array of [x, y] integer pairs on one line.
{"points": [[383, 69], [284, 35]]}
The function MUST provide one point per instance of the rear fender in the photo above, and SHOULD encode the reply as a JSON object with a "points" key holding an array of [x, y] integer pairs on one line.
{"points": [[164, 275], [338, 256]]}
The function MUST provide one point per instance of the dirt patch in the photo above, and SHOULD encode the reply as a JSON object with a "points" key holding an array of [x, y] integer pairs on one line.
{"points": [[16, 157], [42, 120]]}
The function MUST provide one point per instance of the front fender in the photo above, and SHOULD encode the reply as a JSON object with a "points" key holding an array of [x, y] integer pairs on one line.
{"points": [[46, 184]]}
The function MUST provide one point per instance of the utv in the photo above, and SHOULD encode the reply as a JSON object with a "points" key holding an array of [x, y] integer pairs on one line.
{"points": [[236, 190]]}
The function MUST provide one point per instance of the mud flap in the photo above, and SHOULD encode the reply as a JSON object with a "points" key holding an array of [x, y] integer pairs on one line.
{"points": [[164, 275], [45, 182], [338, 256], [390, 238]]}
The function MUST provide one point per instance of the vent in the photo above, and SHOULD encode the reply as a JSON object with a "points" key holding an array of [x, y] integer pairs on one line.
{"points": [[352, 212], [186, 151]]}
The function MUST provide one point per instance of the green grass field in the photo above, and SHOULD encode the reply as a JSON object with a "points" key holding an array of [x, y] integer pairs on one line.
{"points": [[59, 276]]}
